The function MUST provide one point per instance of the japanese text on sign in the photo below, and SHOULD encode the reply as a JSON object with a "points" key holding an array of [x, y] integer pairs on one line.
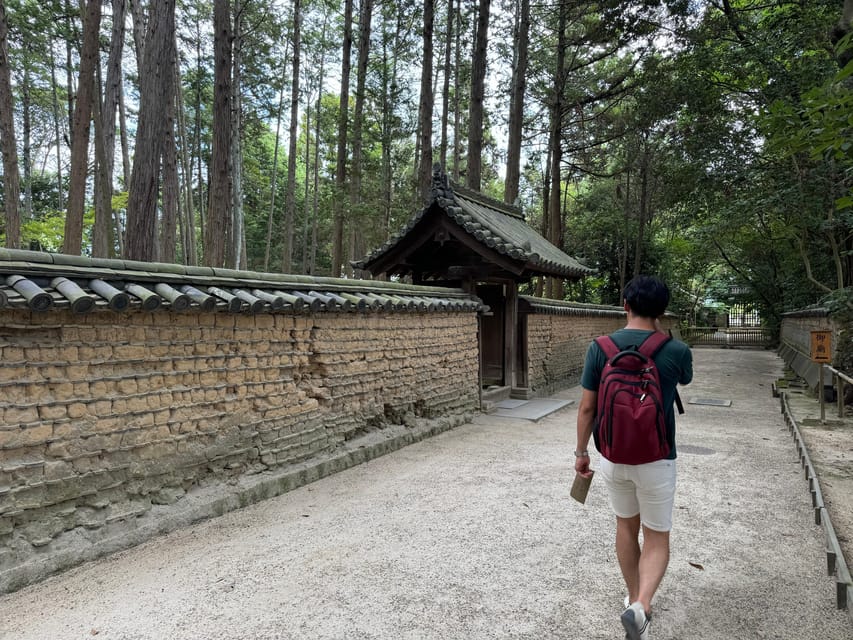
{"points": [[821, 346]]}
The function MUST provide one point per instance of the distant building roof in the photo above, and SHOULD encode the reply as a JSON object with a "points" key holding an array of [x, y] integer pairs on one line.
{"points": [[496, 231], [41, 281]]}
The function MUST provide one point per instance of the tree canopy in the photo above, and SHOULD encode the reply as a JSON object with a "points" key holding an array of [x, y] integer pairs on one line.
{"points": [[708, 141]]}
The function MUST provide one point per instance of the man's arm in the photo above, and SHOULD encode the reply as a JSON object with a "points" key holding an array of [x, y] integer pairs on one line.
{"points": [[586, 418], [686, 368]]}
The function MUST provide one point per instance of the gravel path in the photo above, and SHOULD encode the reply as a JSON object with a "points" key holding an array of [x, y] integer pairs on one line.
{"points": [[471, 534]]}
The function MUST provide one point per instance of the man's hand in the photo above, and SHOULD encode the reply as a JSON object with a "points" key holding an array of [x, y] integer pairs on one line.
{"points": [[582, 466]]}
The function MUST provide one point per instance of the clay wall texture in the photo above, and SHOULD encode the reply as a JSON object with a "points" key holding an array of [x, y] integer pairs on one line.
{"points": [[103, 417], [557, 347], [559, 334]]}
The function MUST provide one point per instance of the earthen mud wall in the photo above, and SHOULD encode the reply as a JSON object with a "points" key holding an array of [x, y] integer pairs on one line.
{"points": [[559, 334], [110, 422]]}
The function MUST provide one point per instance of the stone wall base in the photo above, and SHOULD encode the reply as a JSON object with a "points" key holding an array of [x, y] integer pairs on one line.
{"points": [[74, 547]]}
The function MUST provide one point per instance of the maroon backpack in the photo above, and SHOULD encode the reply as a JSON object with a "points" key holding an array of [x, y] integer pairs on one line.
{"points": [[630, 424]]}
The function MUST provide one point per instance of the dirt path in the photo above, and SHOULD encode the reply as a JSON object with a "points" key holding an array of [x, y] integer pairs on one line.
{"points": [[471, 534]]}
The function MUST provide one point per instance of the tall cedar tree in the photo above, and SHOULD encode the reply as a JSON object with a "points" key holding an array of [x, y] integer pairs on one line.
{"points": [[555, 148], [171, 187], [11, 192], [156, 95], [73, 240], [478, 94], [516, 104], [235, 240], [219, 204], [290, 196], [273, 179], [236, 255], [341, 167], [364, 20], [102, 238], [445, 96], [425, 165]]}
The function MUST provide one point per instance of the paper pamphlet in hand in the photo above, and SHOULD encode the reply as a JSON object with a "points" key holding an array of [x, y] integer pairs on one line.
{"points": [[580, 487]]}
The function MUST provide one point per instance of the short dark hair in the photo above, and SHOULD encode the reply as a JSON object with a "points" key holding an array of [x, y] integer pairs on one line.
{"points": [[647, 296]]}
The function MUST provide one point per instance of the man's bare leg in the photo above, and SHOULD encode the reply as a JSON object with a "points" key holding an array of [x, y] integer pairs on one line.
{"points": [[628, 553], [654, 559]]}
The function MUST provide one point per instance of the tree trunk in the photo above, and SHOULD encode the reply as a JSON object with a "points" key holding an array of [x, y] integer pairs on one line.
{"points": [[315, 204], [156, 97], [457, 92], [389, 85], [473, 176], [425, 165], [171, 195], [125, 146], [341, 168], [218, 209], [445, 96], [8, 142], [236, 257], [138, 11], [364, 20], [202, 212], [26, 121], [290, 196], [312, 260], [188, 236], [70, 39], [73, 239], [274, 177], [103, 214], [57, 134], [102, 236], [642, 212], [555, 149], [306, 202], [103, 241], [623, 259], [516, 105]]}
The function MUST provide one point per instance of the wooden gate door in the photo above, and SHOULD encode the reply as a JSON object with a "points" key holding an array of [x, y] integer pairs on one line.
{"points": [[492, 335]]}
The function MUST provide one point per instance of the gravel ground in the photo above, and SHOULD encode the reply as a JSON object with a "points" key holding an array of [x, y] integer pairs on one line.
{"points": [[471, 534]]}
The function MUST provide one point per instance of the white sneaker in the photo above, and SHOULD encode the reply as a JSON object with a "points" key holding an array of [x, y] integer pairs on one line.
{"points": [[626, 603], [636, 622]]}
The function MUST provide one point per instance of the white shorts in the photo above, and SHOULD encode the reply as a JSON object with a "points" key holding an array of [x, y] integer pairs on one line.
{"points": [[645, 489]]}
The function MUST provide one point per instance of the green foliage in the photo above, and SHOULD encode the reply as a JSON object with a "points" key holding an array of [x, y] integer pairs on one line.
{"points": [[708, 143], [46, 232], [839, 303]]}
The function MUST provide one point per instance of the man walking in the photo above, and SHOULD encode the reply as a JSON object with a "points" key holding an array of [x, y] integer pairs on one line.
{"points": [[641, 495]]}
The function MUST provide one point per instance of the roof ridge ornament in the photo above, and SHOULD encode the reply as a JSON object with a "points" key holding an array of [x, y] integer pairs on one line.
{"points": [[440, 183]]}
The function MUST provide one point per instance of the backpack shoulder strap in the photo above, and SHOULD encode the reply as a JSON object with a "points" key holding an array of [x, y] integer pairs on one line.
{"points": [[653, 344], [607, 346]]}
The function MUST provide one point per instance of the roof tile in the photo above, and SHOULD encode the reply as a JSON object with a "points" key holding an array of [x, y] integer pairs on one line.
{"points": [[495, 224], [84, 284]]}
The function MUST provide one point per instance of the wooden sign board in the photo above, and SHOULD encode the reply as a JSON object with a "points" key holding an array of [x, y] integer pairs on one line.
{"points": [[821, 350]]}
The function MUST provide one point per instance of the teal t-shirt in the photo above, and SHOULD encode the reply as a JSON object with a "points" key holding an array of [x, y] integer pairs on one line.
{"points": [[674, 362]]}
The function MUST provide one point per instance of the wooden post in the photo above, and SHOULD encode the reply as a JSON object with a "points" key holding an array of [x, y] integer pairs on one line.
{"points": [[839, 394], [821, 352]]}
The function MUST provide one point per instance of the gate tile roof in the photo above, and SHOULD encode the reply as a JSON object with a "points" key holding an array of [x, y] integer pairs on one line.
{"points": [[494, 224]]}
